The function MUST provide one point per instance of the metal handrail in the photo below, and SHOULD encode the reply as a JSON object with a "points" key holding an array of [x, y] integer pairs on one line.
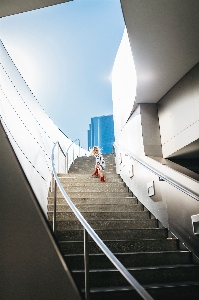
{"points": [[72, 144], [88, 230], [73, 152], [173, 183], [65, 154], [58, 155]]}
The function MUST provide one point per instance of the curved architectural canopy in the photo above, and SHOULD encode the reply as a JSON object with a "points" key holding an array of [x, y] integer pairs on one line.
{"points": [[164, 41], [10, 7]]}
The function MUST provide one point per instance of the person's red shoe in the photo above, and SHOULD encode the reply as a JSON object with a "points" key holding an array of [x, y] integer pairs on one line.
{"points": [[95, 173], [102, 179]]}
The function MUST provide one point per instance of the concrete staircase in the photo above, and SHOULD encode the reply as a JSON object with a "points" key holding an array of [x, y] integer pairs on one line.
{"points": [[130, 232]]}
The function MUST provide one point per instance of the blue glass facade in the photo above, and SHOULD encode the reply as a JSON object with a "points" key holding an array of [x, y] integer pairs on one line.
{"points": [[101, 133]]}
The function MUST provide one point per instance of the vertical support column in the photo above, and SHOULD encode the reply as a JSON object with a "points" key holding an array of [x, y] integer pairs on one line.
{"points": [[150, 129], [86, 265]]}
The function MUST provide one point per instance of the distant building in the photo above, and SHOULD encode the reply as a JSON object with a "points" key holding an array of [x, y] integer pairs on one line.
{"points": [[101, 133]]}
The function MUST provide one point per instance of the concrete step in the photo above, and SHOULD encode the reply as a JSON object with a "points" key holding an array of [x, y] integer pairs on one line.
{"points": [[175, 291], [87, 178], [93, 194], [109, 157], [115, 200], [139, 259], [98, 207], [103, 216], [91, 159], [121, 246], [93, 185], [109, 224], [89, 173], [144, 275], [100, 187], [106, 173], [116, 234], [89, 169], [125, 226], [90, 165]]}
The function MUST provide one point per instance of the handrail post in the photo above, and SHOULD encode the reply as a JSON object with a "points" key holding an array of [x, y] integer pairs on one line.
{"points": [[58, 158], [86, 265], [55, 208], [73, 154], [67, 162], [51, 185], [79, 147]]}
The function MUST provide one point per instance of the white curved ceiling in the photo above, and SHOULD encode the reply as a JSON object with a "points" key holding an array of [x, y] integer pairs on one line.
{"points": [[10, 7], [164, 38]]}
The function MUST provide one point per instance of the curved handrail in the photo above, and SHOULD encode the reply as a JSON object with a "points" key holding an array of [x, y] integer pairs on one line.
{"points": [[73, 152], [133, 282], [65, 154], [72, 144], [60, 148], [173, 183]]}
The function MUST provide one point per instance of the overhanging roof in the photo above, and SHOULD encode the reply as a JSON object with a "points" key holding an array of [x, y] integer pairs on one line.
{"points": [[11, 7], [164, 38]]}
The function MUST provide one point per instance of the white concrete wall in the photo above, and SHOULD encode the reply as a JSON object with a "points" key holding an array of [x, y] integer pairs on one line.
{"points": [[123, 84], [178, 113], [31, 132], [130, 136], [139, 138]]}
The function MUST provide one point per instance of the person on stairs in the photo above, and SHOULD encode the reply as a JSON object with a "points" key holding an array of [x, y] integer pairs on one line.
{"points": [[99, 164]]}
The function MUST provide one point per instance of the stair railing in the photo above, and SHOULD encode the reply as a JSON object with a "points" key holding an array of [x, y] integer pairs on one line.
{"points": [[160, 175], [66, 155], [88, 230], [67, 164]]}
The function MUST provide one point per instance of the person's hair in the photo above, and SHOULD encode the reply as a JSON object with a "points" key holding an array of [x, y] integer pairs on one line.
{"points": [[95, 150]]}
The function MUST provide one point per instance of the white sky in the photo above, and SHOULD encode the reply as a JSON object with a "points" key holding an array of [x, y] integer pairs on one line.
{"points": [[65, 54]]}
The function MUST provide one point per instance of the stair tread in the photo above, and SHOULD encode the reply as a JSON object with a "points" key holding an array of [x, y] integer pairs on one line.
{"points": [[141, 268], [129, 253], [145, 249], [121, 240], [155, 285], [130, 230]]}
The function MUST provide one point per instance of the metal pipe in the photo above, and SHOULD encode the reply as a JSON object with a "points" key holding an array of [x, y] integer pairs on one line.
{"points": [[67, 162], [51, 185], [58, 158], [173, 183], [86, 265], [73, 151], [54, 208]]}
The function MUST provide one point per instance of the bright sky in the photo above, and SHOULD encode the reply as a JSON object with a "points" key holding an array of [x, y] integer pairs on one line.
{"points": [[66, 54]]}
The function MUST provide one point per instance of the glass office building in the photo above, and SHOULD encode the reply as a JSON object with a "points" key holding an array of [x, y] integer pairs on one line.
{"points": [[101, 133]]}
